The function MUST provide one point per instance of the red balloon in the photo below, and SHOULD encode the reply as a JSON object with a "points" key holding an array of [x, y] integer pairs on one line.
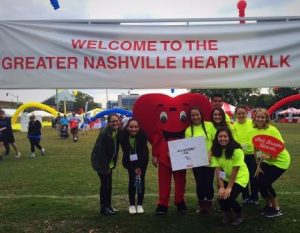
{"points": [[241, 5]]}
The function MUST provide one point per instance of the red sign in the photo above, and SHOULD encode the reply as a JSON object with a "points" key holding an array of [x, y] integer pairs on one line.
{"points": [[268, 144]]}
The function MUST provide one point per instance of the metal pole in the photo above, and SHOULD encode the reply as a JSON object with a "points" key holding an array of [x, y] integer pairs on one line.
{"points": [[57, 102], [106, 97]]}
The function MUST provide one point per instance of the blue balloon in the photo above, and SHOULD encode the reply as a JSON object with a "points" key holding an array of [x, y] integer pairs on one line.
{"points": [[55, 4], [111, 111]]}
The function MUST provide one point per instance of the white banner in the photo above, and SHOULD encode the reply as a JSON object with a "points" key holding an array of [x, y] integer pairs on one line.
{"points": [[75, 55], [188, 153]]}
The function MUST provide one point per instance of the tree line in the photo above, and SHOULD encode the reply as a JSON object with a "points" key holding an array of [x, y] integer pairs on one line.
{"points": [[253, 97]]}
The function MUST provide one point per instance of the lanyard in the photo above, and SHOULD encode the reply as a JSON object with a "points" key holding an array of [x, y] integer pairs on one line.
{"points": [[132, 150]]}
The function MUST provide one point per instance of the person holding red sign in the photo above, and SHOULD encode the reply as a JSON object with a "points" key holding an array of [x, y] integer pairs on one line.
{"points": [[232, 174], [271, 166], [204, 176], [242, 127]]}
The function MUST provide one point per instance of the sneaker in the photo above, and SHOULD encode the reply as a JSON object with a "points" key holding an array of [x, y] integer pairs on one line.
{"points": [[274, 213], [105, 211], [265, 210], [246, 202], [43, 151], [132, 209], [181, 207], [160, 209], [238, 220], [253, 202], [112, 209], [18, 155], [139, 209], [32, 155]]}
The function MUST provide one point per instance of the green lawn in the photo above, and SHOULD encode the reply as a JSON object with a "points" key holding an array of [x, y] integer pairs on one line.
{"points": [[59, 193]]}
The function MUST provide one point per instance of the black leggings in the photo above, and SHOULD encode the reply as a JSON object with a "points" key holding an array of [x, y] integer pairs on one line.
{"points": [[35, 143], [230, 202], [251, 164], [266, 179], [132, 188], [105, 189], [204, 177], [7, 148]]}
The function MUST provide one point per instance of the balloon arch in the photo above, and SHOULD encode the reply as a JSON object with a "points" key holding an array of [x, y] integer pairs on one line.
{"points": [[32, 105], [111, 111], [283, 102]]}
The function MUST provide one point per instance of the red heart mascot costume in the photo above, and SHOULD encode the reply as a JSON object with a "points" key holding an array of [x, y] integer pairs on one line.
{"points": [[164, 118]]}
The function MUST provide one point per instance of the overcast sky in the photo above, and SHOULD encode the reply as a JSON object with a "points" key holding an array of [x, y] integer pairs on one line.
{"points": [[131, 9]]}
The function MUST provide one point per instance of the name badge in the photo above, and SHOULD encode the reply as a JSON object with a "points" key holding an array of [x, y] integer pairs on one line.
{"points": [[222, 175], [133, 157]]}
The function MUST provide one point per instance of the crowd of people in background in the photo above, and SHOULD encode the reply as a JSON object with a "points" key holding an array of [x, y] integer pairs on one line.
{"points": [[236, 164]]}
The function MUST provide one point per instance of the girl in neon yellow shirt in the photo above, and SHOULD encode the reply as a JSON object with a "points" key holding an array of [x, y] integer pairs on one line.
{"points": [[232, 173], [218, 119], [242, 128], [271, 168], [204, 176]]}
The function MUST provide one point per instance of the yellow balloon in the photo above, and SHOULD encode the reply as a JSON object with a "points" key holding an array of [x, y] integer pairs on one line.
{"points": [[75, 92]]}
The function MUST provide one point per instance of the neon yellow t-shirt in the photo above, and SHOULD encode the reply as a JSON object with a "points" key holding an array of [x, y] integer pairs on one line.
{"points": [[242, 135], [198, 131], [227, 118], [132, 142], [283, 160], [214, 130], [227, 165], [114, 136]]}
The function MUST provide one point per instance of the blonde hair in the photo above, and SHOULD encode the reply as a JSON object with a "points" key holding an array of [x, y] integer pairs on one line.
{"points": [[267, 115]]}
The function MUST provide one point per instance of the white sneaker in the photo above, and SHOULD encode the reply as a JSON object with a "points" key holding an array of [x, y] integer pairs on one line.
{"points": [[32, 155], [43, 151], [139, 209], [18, 155], [132, 209]]}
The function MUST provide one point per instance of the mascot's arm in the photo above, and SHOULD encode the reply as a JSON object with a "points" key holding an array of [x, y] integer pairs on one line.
{"points": [[155, 140]]}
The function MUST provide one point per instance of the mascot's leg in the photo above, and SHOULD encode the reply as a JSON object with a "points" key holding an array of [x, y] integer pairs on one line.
{"points": [[179, 178], [164, 182]]}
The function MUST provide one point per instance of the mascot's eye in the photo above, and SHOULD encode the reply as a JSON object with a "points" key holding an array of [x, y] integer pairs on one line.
{"points": [[163, 116], [182, 116]]}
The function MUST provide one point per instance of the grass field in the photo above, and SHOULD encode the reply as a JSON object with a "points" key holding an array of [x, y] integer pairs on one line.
{"points": [[59, 193]]}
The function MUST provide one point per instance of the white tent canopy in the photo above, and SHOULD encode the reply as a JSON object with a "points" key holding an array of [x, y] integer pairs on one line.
{"points": [[40, 113], [290, 111], [9, 111], [228, 108]]}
